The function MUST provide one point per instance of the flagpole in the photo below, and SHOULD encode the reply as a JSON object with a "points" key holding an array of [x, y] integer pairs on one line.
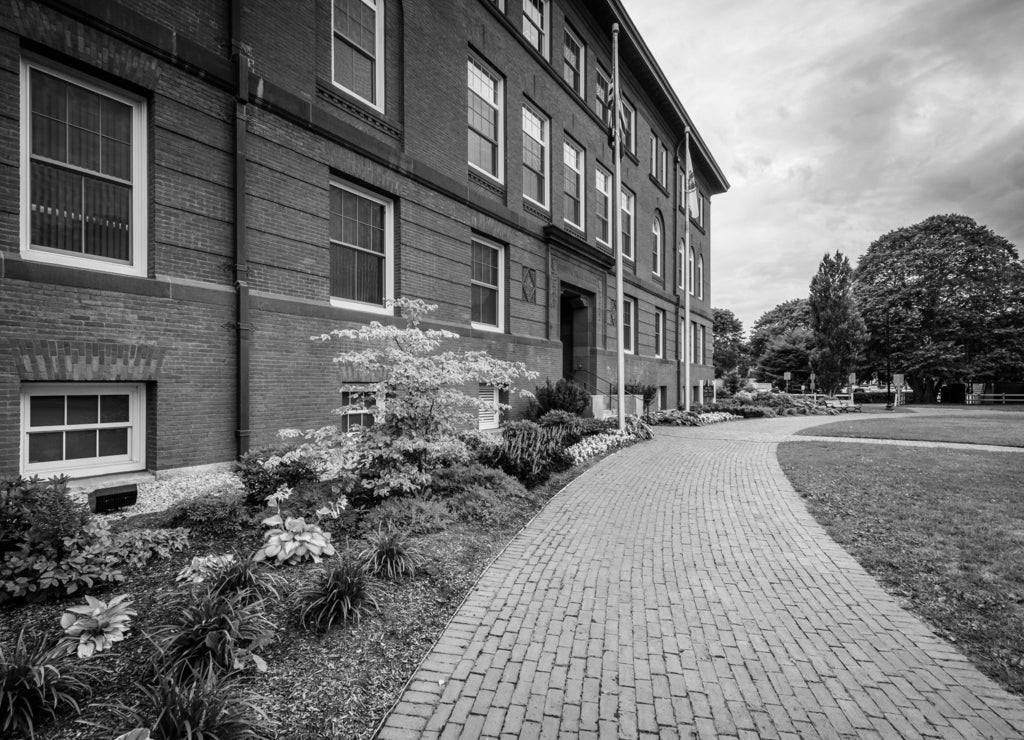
{"points": [[687, 277], [617, 229]]}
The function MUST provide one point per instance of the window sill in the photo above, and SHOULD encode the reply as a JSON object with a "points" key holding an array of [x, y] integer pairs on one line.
{"points": [[658, 184], [486, 327], [82, 263], [364, 307]]}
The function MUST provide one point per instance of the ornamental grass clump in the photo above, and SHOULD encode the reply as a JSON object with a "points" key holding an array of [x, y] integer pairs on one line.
{"points": [[211, 629], [36, 682], [389, 554], [209, 707], [343, 594], [95, 626]]}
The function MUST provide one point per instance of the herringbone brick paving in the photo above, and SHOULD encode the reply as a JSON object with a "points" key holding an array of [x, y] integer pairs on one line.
{"points": [[679, 588]]}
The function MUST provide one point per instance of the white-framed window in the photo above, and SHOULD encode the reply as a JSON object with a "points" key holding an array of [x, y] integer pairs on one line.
{"points": [[697, 213], [663, 165], [83, 172], [702, 344], [700, 277], [575, 179], [681, 259], [695, 341], [536, 22], [485, 120], [362, 249], [82, 429], [360, 401], [628, 209], [628, 125], [659, 332], [488, 413], [357, 51], [603, 185], [690, 270], [657, 245], [654, 155], [536, 156], [628, 324], [574, 62], [603, 102], [487, 283]]}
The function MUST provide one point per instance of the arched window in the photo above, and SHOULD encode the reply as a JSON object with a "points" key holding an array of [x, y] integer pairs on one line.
{"points": [[700, 277], [657, 245], [690, 269]]}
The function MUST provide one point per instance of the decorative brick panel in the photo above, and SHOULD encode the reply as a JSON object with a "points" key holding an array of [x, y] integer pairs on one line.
{"points": [[78, 361]]}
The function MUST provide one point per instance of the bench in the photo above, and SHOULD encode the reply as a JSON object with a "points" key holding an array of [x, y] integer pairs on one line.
{"points": [[841, 404]]}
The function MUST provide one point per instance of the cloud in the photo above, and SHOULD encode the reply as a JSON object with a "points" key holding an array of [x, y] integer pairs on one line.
{"points": [[838, 122]]}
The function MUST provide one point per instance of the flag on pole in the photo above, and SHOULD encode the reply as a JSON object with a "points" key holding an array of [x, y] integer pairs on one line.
{"points": [[690, 187]]}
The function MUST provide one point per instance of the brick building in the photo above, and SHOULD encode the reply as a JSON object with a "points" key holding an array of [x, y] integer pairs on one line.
{"points": [[189, 190]]}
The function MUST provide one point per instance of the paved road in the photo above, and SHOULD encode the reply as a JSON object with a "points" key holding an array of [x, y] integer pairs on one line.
{"points": [[680, 589]]}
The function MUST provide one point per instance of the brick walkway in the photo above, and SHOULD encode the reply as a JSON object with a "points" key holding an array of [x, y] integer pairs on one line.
{"points": [[680, 589]]}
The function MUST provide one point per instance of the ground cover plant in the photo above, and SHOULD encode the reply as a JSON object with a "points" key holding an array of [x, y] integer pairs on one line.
{"points": [[941, 529], [965, 426]]}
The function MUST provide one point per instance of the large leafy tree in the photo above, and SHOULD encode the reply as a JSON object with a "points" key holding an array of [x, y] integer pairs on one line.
{"points": [[788, 352], [836, 322], [785, 317], [730, 354], [944, 300]]}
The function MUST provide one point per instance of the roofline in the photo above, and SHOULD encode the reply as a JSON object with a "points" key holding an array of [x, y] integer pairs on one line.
{"points": [[634, 35]]}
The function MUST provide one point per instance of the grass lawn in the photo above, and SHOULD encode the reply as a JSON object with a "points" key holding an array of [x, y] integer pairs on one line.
{"points": [[982, 428], [941, 529], [333, 685]]}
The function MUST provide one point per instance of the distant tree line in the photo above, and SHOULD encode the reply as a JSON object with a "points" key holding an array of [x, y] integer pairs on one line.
{"points": [[940, 301]]}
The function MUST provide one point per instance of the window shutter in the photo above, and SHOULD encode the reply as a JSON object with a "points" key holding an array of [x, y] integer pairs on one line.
{"points": [[488, 414]]}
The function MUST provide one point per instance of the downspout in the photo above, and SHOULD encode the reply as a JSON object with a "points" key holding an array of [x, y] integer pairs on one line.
{"points": [[243, 321], [680, 346]]}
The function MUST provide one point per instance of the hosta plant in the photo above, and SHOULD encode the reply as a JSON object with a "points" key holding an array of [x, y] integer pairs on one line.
{"points": [[292, 540], [203, 568], [36, 682], [96, 625], [244, 576], [344, 593]]}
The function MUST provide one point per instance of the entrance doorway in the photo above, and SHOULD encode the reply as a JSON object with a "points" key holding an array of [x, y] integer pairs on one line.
{"points": [[575, 319]]}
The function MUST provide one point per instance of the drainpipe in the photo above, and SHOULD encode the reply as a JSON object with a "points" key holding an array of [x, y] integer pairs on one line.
{"points": [[243, 322], [680, 346]]}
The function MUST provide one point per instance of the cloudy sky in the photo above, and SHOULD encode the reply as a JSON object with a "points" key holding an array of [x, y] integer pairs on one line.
{"points": [[837, 121]]}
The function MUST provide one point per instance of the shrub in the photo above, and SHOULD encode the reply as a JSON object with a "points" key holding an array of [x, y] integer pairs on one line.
{"points": [[135, 547], [485, 506], [211, 514], [461, 478], [208, 707], [266, 469], [344, 593], [563, 396], [482, 446], [38, 513], [212, 630], [410, 514], [95, 626], [477, 493], [35, 683], [531, 453], [389, 554]]}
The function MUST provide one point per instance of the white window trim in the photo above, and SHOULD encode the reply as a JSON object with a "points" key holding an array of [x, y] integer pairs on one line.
{"points": [[658, 233], [632, 332], [378, 82], [659, 333], [545, 127], [581, 173], [700, 277], [581, 90], [654, 156], [545, 31], [702, 333], [681, 255], [628, 205], [500, 94], [494, 420], [500, 249], [630, 112], [602, 75], [140, 183], [135, 459], [389, 253], [608, 200], [691, 264], [663, 179]]}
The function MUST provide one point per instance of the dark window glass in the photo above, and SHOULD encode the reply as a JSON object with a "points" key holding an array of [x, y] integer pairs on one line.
{"points": [[46, 411], [80, 444], [45, 447], [83, 409], [113, 442]]}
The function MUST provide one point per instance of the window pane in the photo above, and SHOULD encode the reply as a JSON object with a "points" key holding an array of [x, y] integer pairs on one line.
{"points": [[56, 208], [80, 444], [83, 409], [354, 70], [46, 411], [113, 409], [107, 219], [113, 442], [485, 305], [45, 447], [49, 116]]}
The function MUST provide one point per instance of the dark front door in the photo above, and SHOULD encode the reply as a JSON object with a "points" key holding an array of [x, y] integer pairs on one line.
{"points": [[574, 331]]}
